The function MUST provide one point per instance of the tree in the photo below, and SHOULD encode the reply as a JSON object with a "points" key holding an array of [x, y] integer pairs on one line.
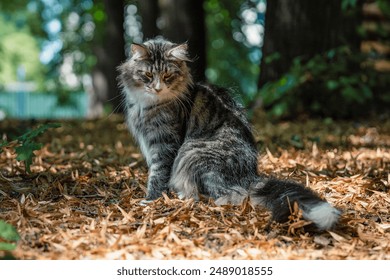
{"points": [[91, 36], [109, 49], [312, 63], [303, 29], [179, 21], [232, 58], [19, 51], [149, 11]]}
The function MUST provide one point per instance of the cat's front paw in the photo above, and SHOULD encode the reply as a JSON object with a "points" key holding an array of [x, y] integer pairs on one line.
{"points": [[152, 195], [145, 202]]}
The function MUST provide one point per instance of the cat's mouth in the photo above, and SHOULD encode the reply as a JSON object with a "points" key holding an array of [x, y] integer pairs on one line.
{"points": [[157, 92]]}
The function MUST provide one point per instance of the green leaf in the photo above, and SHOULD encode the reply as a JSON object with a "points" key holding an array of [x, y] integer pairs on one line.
{"points": [[279, 109], [367, 92], [346, 4], [26, 153], [296, 141], [7, 246], [315, 139], [332, 84], [331, 53], [349, 93], [36, 132], [384, 6], [8, 232], [3, 144], [283, 81], [272, 57]]}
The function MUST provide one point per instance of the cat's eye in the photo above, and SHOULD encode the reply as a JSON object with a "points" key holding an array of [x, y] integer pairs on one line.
{"points": [[166, 76]]}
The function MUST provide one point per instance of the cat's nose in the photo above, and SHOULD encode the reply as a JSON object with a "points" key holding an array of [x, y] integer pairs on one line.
{"points": [[157, 86]]}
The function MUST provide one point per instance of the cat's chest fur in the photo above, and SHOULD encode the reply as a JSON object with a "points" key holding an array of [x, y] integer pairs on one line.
{"points": [[159, 123], [134, 125]]}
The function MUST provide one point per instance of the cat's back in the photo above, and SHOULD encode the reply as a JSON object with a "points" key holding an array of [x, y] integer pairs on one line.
{"points": [[216, 97], [215, 110]]}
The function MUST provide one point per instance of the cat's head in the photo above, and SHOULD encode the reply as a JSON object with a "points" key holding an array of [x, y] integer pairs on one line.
{"points": [[156, 71]]}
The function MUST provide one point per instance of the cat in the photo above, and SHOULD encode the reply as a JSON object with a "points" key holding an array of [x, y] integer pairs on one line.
{"points": [[196, 138]]}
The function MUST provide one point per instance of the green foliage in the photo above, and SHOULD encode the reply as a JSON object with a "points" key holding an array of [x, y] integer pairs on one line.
{"points": [[79, 28], [82, 24], [18, 48], [26, 144], [348, 4], [8, 236], [231, 62], [337, 84], [384, 6]]}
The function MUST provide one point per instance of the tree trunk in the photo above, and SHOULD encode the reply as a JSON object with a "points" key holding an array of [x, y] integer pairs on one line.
{"points": [[178, 21], [110, 52], [303, 28], [149, 11], [98, 91]]}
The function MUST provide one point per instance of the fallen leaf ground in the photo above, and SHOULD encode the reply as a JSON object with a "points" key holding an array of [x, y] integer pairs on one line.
{"points": [[82, 199]]}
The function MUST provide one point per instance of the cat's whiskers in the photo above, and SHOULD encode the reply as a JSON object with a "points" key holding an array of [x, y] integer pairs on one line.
{"points": [[122, 104], [180, 101]]}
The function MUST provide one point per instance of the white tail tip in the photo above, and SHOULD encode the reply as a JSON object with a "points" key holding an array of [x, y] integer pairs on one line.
{"points": [[323, 215]]}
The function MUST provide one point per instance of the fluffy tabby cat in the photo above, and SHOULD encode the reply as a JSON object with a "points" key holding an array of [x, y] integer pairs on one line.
{"points": [[196, 139]]}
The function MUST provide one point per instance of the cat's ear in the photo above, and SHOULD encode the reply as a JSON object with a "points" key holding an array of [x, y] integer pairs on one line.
{"points": [[139, 51], [179, 52]]}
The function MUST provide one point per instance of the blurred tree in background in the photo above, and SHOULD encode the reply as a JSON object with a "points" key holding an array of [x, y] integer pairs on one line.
{"points": [[303, 29], [312, 49], [19, 51], [19, 46], [313, 63], [235, 36], [163, 18]]}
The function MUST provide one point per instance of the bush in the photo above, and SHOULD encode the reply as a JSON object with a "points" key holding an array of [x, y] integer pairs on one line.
{"points": [[336, 84]]}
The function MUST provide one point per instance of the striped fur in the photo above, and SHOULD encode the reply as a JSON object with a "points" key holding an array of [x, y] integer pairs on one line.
{"points": [[196, 139]]}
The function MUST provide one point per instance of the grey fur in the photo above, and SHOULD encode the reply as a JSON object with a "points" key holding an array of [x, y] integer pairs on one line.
{"points": [[196, 139]]}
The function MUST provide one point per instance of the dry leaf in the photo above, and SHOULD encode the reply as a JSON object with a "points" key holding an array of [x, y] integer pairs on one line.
{"points": [[82, 200]]}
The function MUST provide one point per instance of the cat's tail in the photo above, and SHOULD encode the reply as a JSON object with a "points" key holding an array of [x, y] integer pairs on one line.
{"points": [[279, 197]]}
